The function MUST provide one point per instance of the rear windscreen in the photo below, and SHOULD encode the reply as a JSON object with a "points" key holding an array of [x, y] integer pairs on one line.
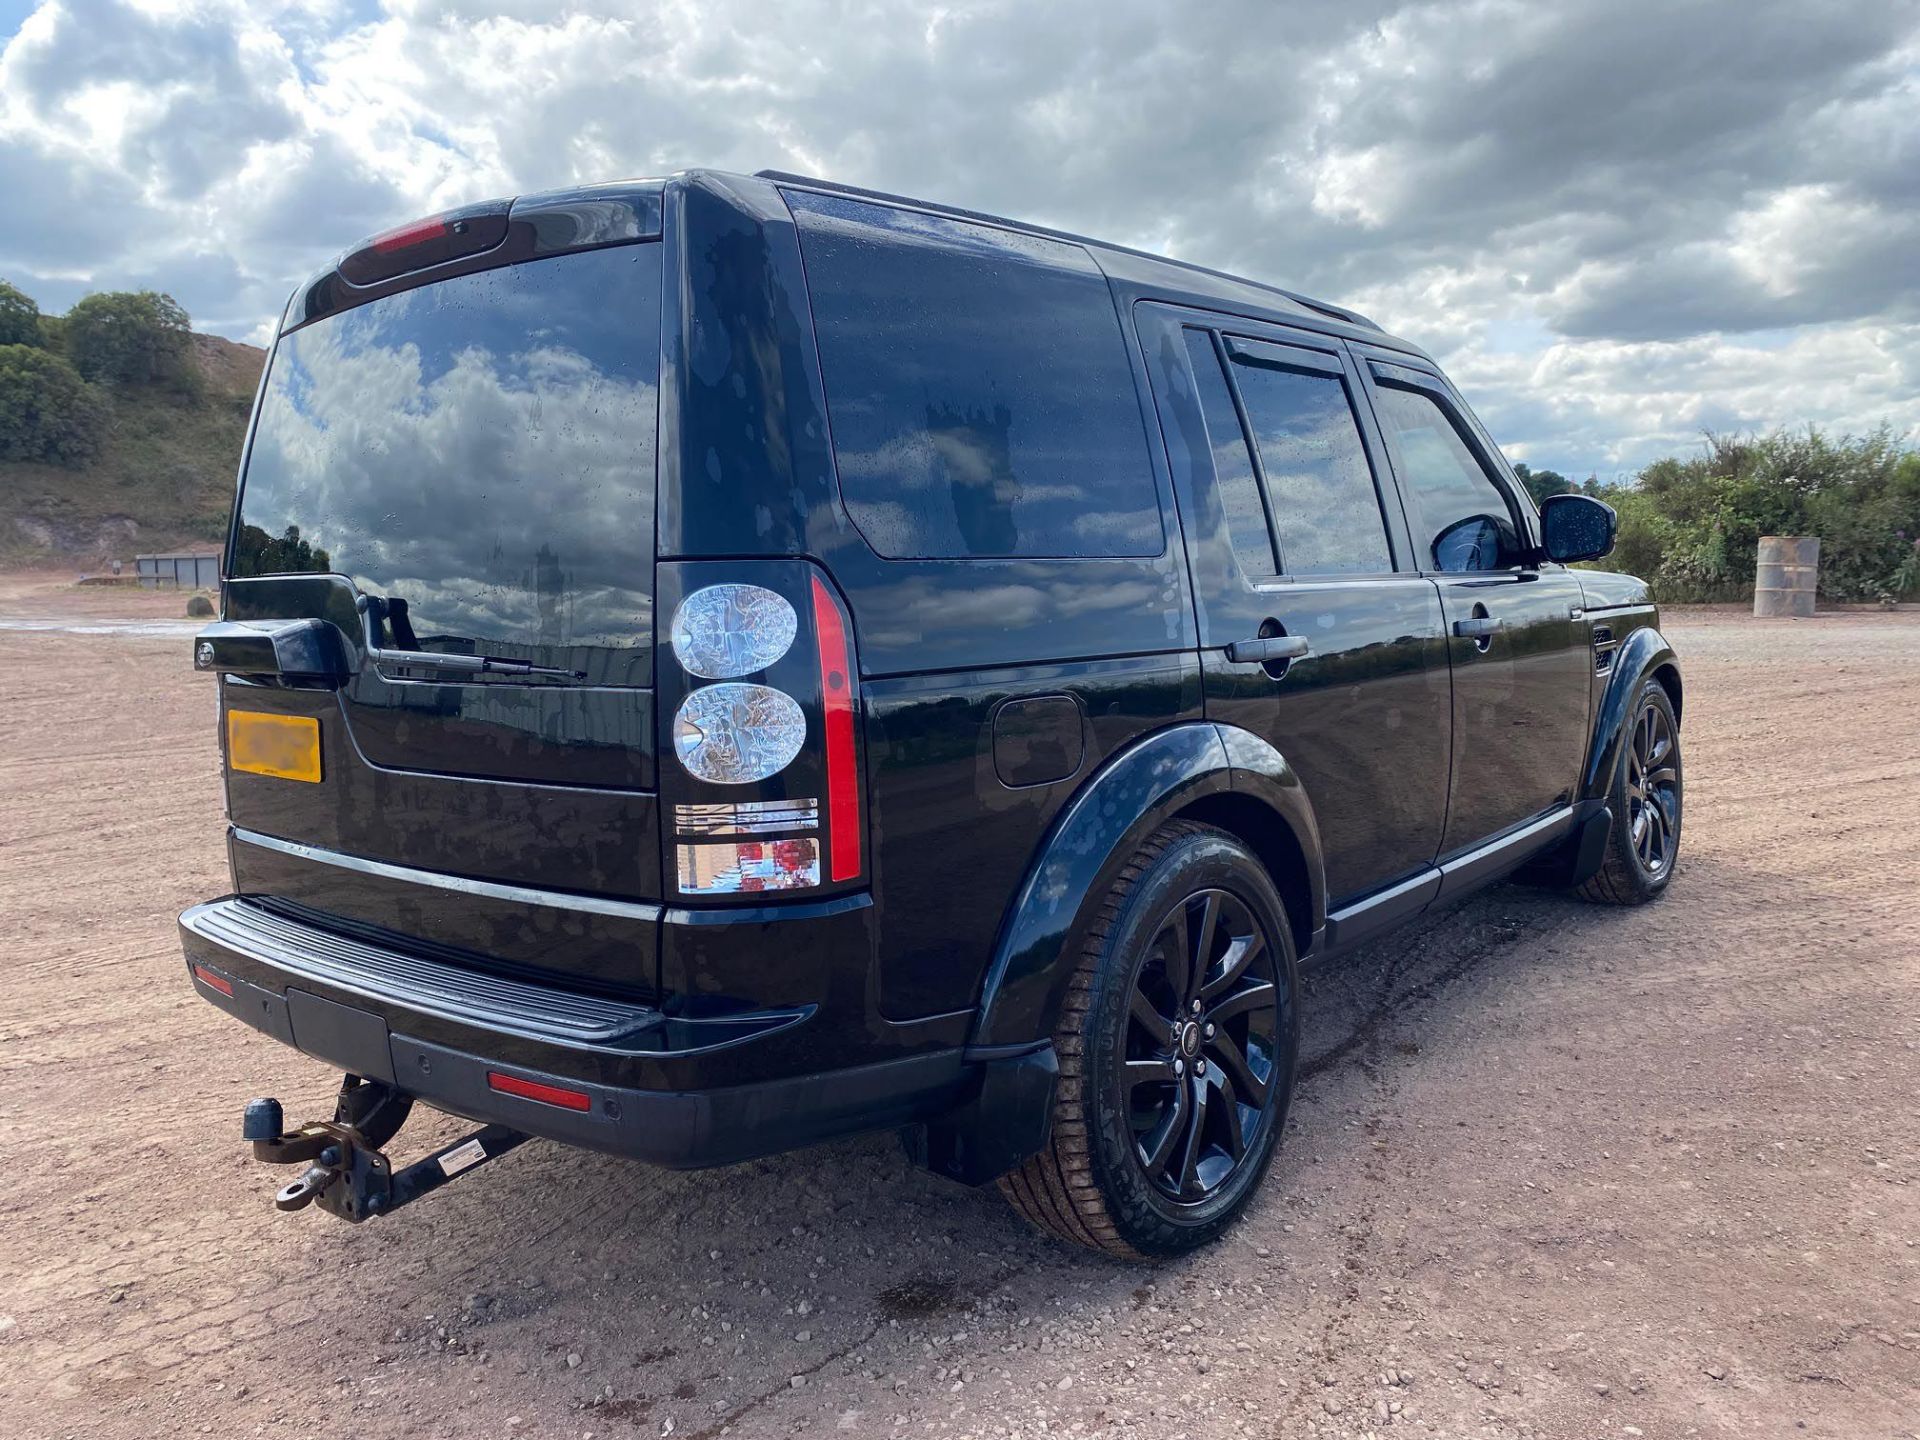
{"points": [[482, 449]]}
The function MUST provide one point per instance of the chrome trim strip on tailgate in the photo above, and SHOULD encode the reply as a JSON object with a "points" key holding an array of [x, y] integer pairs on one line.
{"points": [[492, 890], [393, 977]]}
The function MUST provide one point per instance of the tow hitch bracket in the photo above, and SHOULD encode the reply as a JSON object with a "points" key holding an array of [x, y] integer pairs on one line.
{"points": [[347, 1173]]}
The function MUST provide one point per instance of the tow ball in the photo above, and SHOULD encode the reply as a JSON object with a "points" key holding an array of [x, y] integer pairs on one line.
{"points": [[347, 1171]]}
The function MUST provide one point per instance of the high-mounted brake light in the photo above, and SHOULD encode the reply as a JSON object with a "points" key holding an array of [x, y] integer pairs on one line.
{"points": [[409, 235], [422, 244], [843, 778]]}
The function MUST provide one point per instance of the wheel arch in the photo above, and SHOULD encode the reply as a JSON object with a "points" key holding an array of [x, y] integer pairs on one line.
{"points": [[1668, 674], [1217, 775], [1644, 655]]}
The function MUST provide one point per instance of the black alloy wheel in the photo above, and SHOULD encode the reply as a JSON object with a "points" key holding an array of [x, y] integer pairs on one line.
{"points": [[1177, 1041], [1645, 800], [1653, 790], [1201, 1048]]}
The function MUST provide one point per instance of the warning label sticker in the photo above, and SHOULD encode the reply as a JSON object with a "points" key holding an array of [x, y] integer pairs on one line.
{"points": [[463, 1157]]}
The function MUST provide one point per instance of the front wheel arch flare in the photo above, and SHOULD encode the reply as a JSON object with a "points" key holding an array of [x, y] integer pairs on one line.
{"points": [[1644, 654]]}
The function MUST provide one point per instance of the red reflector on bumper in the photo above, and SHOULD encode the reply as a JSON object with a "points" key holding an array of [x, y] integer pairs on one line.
{"points": [[218, 982], [534, 1090]]}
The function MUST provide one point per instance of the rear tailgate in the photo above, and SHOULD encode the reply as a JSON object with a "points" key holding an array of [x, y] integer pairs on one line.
{"points": [[465, 469]]}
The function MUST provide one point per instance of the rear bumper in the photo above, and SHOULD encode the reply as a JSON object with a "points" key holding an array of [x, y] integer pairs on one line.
{"points": [[438, 1031]]}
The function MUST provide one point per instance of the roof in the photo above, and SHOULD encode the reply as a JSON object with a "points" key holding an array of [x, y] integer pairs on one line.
{"points": [[1194, 275]]}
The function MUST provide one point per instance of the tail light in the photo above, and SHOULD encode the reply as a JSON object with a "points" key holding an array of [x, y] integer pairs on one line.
{"points": [[762, 708], [836, 696], [736, 734]]}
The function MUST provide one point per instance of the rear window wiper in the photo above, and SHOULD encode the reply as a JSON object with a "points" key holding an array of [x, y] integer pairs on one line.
{"points": [[374, 609], [467, 664]]}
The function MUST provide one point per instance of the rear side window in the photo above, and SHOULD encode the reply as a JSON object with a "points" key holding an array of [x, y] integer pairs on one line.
{"points": [[482, 449], [978, 388], [1321, 487], [1463, 522], [1232, 462]]}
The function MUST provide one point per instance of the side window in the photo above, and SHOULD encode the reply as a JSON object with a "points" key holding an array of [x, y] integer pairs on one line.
{"points": [[978, 388], [1232, 461], [1325, 506], [1462, 520]]}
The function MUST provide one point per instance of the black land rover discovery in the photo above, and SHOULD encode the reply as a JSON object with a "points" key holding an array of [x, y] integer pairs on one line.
{"points": [[715, 664]]}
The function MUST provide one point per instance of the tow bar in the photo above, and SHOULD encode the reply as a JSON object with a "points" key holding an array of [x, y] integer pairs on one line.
{"points": [[348, 1174]]}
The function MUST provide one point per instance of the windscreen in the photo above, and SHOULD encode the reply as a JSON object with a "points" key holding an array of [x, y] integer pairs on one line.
{"points": [[481, 450]]}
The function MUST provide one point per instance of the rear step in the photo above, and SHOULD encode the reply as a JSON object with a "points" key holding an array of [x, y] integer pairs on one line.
{"points": [[430, 987]]}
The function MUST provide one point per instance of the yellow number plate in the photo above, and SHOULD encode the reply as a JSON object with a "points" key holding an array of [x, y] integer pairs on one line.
{"points": [[284, 745]]}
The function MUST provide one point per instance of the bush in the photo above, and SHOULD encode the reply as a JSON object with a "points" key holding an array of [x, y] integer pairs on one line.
{"points": [[1693, 526], [47, 412], [131, 337], [258, 553], [19, 318]]}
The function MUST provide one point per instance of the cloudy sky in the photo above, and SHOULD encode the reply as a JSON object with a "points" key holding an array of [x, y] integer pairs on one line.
{"points": [[1617, 222]]}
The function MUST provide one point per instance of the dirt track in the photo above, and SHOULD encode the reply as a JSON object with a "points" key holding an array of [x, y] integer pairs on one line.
{"points": [[1555, 1170]]}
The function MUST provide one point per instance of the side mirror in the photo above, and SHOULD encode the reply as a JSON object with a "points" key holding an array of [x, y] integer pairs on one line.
{"points": [[1576, 527]]}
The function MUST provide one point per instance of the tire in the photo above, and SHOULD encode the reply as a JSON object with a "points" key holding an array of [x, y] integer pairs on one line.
{"points": [[1092, 1184], [1646, 800]]}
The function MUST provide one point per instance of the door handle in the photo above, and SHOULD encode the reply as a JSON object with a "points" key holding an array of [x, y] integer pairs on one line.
{"points": [[1269, 648], [1481, 627]]}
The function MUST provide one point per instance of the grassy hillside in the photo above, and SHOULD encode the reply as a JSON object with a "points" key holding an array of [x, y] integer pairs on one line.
{"points": [[163, 478]]}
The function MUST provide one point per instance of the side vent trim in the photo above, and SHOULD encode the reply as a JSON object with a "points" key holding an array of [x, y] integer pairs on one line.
{"points": [[1604, 646]]}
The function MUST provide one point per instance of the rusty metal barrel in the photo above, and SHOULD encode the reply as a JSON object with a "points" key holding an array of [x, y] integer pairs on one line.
{"points": [[1788, 572]]}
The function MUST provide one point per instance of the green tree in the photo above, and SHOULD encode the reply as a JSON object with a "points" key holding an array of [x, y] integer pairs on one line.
{"points": [[131, 337], [19, 317], [47, 412], [1542, 483], [258, 553], [1693, 525]]}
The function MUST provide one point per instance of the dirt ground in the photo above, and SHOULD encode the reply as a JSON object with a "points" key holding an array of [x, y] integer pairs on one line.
{"points": [[1553, 1170]]}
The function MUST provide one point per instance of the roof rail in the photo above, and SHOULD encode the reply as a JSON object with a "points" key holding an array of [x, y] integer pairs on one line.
{"points": [[1332, 311]]}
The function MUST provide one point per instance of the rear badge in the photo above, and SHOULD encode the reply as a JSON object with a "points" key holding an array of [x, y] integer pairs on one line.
{"points": [[747, 866], [284, 746]]}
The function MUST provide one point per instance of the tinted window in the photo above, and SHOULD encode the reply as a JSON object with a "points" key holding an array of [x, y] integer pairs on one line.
{"points": [[978, 388], [481, 448], [1461, 518], [1232, 461], [1318, 480]]}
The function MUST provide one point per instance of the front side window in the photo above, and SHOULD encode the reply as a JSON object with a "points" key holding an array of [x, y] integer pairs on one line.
{"points": [[978, 388], [1462, 521], [1319, 482], [481, 450]]}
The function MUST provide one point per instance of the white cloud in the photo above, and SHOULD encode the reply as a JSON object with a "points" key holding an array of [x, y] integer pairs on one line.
{"points": [[1613, 222]]}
